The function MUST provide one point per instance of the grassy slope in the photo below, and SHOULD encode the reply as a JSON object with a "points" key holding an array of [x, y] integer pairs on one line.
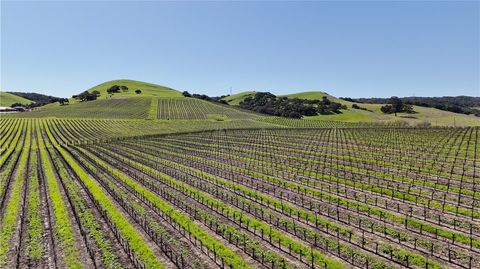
{"points": [[235, 99], [432, 115], [98, 108], [148, 89], [7, 99], [313, 96], [122, 108], [129, 105]]}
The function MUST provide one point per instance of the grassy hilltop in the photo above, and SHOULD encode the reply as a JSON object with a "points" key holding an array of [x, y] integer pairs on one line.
{"points": [[155, 102], [148, 89]]}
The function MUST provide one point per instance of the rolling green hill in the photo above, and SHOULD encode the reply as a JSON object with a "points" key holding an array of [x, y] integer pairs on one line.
{"points": [[162, 103], [235, 99], [154, 103], [113, 108], [135, 107], [373, 114], [148, 89], [313, 96], [7, 99]]}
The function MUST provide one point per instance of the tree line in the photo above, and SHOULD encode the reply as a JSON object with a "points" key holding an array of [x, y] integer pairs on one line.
{"points": [[457, 104], [268, 103]]}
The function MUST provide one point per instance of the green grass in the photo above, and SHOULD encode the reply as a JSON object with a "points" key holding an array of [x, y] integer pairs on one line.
{"points": [[350, 115], [7, 99], [210, 242], [148, 89], [135, 241], [35, 248], [236, 214], [62, 223], [434, 116], [315, 95], [10, 217], [235, 99]]}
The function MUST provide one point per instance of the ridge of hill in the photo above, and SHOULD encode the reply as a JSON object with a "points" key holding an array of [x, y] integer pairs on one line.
{"points": [[313, 95], [235, 99], [155, 102], [148, 89], [372, 113], [7, 99], [162, 103]]}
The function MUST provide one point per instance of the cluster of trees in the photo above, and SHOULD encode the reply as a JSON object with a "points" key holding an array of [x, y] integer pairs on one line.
{"points": [[63, 101], [217, 99], [117, 89], [458, 104], [87, 96], [359, 107], [396, 105], [268, 103]]}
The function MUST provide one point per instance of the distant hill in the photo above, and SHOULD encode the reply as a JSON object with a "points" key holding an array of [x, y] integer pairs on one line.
{"points": [[313, 96], [36, 97], [148, 89], [457, 104], [235, 99], [7, 99], [371, 113], [163, 103], [155, 103]]}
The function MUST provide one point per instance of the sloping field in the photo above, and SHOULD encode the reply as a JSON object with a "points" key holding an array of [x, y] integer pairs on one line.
{"points": [[276, 198], [235, 99], [142, 108], [373, 114], [315, 95], [7, 99], [112, 108]]}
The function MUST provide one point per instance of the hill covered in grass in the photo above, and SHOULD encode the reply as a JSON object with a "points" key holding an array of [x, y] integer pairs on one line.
{"points": [[235, 99], [158, 102], [7, 99], [155, 102], [371, 113], [148, 89], [314, 95]]}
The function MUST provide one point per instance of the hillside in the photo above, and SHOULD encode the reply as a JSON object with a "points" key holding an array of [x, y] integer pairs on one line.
{"points": [[373, 114], [235, 99], [313, 96], [7, 99], [148, 89], [162, 103], [154, 103], [38, 98]]}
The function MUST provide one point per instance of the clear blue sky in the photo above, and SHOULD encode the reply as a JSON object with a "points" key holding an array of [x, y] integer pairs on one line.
{"points": [[356, 49]]}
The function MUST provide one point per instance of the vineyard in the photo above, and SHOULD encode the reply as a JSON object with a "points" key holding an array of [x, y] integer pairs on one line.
{"points": [[77, 193], [190, 108], [141, 108], [120, 108]]}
